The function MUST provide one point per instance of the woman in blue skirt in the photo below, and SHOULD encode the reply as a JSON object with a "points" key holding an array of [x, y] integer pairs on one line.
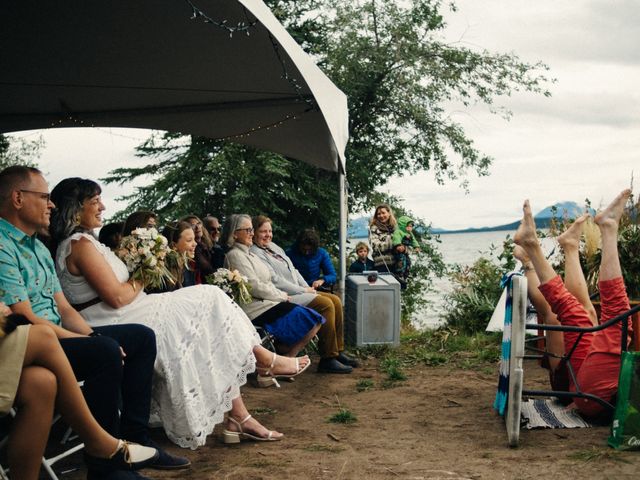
{"points": [[292, 325]]}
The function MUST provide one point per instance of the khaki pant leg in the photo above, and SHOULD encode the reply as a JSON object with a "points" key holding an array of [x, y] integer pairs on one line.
{"points": [[339, 317], [327, 344]]}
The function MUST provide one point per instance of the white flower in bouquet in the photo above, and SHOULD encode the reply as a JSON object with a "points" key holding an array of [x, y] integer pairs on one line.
{"points": [[144, 253], [232, 283]]}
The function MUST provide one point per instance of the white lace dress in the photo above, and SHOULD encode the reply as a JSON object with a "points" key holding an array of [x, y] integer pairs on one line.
{"points": [[204, 340]]}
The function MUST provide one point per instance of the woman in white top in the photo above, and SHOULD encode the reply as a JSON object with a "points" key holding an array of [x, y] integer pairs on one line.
{"points": [[206, 344]]}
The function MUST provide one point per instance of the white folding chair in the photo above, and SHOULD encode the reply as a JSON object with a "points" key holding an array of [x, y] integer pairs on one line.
{"points": [[47, 463]]}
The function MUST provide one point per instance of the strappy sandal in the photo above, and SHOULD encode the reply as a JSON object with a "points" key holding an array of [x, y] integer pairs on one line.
{"points": [[268, 379], [234, 437]]}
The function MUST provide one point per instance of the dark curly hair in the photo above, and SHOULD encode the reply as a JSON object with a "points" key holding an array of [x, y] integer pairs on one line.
{"points": [[310, 238], [68, 197]]}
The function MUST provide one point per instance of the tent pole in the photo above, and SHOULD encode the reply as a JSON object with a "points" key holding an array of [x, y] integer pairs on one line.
{"points": [[343, 231]]}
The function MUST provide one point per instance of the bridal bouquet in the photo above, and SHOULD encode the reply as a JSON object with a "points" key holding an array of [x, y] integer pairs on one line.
{"points": [[232, 283], [145, 252]]}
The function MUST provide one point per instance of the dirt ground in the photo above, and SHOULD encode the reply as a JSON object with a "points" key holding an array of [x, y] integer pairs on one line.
{"points": [[438, 424]]}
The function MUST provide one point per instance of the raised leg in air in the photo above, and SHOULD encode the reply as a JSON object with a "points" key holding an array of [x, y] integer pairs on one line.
{"points": [[554, 340], [574, 277]]}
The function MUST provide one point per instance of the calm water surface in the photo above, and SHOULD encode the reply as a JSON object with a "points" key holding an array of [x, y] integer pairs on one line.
{"points": [[456, 248]]}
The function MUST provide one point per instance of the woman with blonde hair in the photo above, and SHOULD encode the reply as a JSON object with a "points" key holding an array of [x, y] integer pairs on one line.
{"points": [[381, 229]]}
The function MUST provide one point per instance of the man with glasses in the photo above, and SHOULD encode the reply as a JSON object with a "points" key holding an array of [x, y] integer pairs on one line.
{"points": [[115, 362], [212, 225]]}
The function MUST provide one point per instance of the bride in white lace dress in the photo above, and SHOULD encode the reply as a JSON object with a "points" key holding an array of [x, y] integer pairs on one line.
{"points": [[206, 344]]}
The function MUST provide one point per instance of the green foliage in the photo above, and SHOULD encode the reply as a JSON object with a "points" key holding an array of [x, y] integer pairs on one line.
{"points": [[19, 151], [391, 60], [476, 289], [443, 346], [343, 416], [591, 253], [391, 366], [364, 384], [400, 78], [204, 176], [598, 455]]}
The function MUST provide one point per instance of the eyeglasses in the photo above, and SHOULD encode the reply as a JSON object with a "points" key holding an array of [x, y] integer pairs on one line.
{"points": [[248, 230], [43, 195], [215, 229]]}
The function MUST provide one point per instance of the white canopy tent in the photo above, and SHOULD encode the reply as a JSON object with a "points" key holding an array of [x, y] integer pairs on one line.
{"points": [[224, 69]]}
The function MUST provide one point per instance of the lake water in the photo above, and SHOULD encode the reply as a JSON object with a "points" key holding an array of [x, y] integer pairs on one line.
{"points": [[456, 248]]}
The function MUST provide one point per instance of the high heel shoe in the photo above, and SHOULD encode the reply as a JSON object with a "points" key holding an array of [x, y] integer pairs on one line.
{"points": [[229, 436], [265, 381], [268, 379]]}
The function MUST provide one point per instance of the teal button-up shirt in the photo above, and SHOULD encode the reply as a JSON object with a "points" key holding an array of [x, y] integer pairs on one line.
{"points": [[27, 272]]}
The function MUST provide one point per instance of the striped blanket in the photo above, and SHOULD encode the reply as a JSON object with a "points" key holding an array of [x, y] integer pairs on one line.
{"points": [[550, 413]]}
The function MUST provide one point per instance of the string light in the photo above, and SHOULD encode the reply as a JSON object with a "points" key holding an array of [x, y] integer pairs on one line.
{"points": [[70, 120], [240, 27], [292, 80], [271, 126], [245, 27]]}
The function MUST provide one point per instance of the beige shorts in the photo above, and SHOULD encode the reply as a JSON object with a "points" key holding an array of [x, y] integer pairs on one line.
{"points": [[12, 350]]}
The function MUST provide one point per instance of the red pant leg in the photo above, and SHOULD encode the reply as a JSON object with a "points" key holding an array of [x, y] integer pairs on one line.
{"points": [[570, 312], [600, 369]]}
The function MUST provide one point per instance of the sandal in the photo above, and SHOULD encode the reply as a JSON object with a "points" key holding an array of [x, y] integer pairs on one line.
{"points": [[229, 436], [268, 379]]}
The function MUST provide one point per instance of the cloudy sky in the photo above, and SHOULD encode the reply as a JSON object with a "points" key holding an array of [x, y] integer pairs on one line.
{"points": [[582, 142]]}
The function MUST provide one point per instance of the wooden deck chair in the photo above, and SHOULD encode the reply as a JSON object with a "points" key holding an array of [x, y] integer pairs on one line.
{"points": [[47, 462], [517, 354]]}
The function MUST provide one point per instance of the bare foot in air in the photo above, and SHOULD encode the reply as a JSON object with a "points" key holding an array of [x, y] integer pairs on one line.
{"points": [[526, 234], [521, 255], [570, 238], [609, 218]]}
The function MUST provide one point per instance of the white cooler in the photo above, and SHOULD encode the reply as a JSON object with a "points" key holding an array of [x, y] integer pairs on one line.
{"points": [[372, 310]]}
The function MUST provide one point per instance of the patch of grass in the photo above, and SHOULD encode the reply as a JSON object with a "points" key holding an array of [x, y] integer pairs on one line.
{"points": [[478, 351], [343, 416], [428, 357], [598, 455], [376, 351], [391, 366], [317, 447], [364, 384], [264, 411]]}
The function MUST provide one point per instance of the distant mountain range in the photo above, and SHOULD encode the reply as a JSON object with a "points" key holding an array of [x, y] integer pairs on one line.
{"points": [[359, 227]]}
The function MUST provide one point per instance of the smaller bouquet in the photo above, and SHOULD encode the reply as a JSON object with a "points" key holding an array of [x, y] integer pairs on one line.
{"points": [[144, 252], [232, 283]]}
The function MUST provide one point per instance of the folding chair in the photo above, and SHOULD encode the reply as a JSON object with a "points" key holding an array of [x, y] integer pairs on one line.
{"points": [[47, 463], [266, 339], [517, 354]]}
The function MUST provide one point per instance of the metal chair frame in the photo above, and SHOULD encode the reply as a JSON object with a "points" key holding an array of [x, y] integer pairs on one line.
{"points": [[47, 463], [519, 344]]}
